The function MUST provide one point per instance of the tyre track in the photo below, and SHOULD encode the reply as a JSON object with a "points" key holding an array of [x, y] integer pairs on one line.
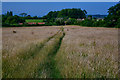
{"points": [[24, 57], [49, 69], [50, 65], [41, 58]]}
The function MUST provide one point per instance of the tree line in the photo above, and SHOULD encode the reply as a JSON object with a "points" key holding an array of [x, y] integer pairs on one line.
{"points": [[8, 19], [74, 16]]}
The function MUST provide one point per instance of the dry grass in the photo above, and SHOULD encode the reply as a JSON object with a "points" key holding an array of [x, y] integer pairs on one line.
{"points": [[0, 52], [22, 46], [84, 52], [13, 42], [88, 53]]}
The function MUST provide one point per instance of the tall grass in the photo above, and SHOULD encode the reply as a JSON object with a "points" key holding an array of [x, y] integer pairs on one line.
{"points": [[30, 62], [74, 52], [11, 64], [85, 54]]}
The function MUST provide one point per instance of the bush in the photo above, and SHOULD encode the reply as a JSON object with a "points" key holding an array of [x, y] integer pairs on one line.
{"points": [[60, 21], [87, 22], [118, 24], [71, 21]]}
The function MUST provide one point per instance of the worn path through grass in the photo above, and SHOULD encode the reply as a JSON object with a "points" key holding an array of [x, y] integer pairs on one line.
{"points": [[33, 62], [49, 66]]}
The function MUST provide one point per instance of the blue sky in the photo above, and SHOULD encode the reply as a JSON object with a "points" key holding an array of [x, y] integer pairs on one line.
{"points": [[60, 0], [42, 8]]}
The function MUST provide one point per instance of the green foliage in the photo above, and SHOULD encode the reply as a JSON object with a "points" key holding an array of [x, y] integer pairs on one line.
{"points": [[52, 14], [34, 20], [23, 14], [70, 17], [9, 13], [118, 23], [66, 14], [60, 21], [8, 20], [89, 16], [72, 13], [91, 23], [113, 18], [67, 17], [70, 21], [100, 23], [87, 22], [11, 20]]}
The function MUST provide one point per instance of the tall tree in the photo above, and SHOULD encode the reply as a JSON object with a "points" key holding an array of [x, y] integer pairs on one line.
{"points": [[114, 16], [9, 13], [72, 13], [67, 13], [23, 14]]}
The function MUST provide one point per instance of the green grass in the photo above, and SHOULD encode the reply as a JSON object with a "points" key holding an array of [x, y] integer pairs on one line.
{"points": [[50, 64], [34, 20]]}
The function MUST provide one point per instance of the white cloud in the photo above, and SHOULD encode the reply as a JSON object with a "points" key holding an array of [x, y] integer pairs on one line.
{"points": [[60, 0]]}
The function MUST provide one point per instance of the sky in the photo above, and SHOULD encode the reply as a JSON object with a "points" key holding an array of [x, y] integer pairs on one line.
{"points": [[42, 8], [60, 0]]}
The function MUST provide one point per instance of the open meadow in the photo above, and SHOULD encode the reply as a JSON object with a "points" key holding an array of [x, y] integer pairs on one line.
{"points": [[60, 52]]}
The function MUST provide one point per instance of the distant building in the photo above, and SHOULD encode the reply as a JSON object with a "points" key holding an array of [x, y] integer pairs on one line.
{"points": [[41, 23], [80, 19], [31, 23], [20, 23]]}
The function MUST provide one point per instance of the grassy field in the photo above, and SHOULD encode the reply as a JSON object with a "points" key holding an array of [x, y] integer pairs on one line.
{"points": [[60, 52], [34, 20]]}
